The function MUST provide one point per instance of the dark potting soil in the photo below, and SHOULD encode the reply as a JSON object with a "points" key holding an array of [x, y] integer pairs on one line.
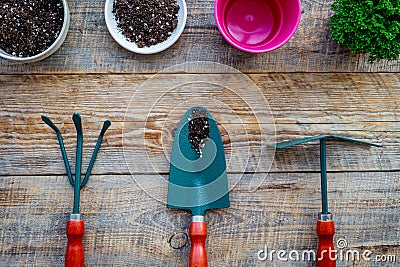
{"points": [[146, 23], [29, 27], [199, 129]]}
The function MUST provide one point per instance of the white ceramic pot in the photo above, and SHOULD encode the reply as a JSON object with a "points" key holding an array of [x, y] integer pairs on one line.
{"points": [[49, 51], [121, 39]]}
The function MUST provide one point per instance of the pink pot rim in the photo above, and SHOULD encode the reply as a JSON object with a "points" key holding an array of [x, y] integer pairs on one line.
{"points": [[255, 49]]}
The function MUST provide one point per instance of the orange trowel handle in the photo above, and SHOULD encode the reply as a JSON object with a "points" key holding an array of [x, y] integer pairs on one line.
{"points": [[198, 235]]}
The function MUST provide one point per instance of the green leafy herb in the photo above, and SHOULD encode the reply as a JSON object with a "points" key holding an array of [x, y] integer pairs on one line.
{"points": [[368, 26]]}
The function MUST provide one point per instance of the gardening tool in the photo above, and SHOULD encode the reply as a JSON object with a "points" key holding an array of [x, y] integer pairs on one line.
{"points": [[198, 179], [325, 225], [74, 256]]}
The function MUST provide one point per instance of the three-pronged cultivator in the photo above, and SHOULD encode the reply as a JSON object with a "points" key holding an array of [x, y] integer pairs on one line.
{"points": [[74, 256]]}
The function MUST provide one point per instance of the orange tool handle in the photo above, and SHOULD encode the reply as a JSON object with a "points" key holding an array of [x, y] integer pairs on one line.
{"points": [[198, 235], [74, 257], [326, 256]]}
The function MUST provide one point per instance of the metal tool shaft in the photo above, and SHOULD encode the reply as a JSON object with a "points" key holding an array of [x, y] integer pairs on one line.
{"points": [[77, 186], [324, 182]]}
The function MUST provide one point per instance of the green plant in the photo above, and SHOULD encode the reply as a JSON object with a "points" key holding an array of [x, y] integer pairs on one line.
{"points": [[368, 26]]}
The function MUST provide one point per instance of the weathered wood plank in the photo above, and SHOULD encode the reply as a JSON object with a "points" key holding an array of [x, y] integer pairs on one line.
{"points": [[126, 226], [361, 105], [89, 48], [294, 98]]}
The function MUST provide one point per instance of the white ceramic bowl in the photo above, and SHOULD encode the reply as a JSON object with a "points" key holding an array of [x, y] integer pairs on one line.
{"points": [[121, 39], [49, 51]]}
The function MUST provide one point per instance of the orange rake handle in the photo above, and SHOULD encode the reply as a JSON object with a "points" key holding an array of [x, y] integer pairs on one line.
{"points": [[198, 235], [74, 256], [326, 256]]}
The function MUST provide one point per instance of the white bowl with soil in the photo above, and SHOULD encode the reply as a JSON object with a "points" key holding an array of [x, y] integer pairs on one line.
{"points": [[142, 27], [39, 40]]}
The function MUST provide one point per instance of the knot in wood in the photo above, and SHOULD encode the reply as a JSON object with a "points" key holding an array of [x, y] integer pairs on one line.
{"points": [[178, 240]]}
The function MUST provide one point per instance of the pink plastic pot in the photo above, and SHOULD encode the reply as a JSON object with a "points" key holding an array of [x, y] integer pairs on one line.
{"points": [[257, 26]]}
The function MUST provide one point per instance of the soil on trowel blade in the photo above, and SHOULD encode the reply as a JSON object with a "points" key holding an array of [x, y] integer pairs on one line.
{"points": [[199, 129]]}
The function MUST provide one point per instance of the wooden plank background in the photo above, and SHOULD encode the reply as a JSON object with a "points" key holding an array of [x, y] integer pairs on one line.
{"points": [[312, 85]]}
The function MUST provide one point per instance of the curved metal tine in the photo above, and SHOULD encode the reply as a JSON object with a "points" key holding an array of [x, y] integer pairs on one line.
{"points": [[47, 120], [106, 125], [78, 165]]}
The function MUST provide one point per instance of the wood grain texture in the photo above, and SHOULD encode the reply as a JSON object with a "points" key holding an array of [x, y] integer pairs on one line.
{"points": [[89, 48], [361, 105], [125, 226]]}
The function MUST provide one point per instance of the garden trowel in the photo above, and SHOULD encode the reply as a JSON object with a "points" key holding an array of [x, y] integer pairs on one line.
{"points": [[198, 179]]}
